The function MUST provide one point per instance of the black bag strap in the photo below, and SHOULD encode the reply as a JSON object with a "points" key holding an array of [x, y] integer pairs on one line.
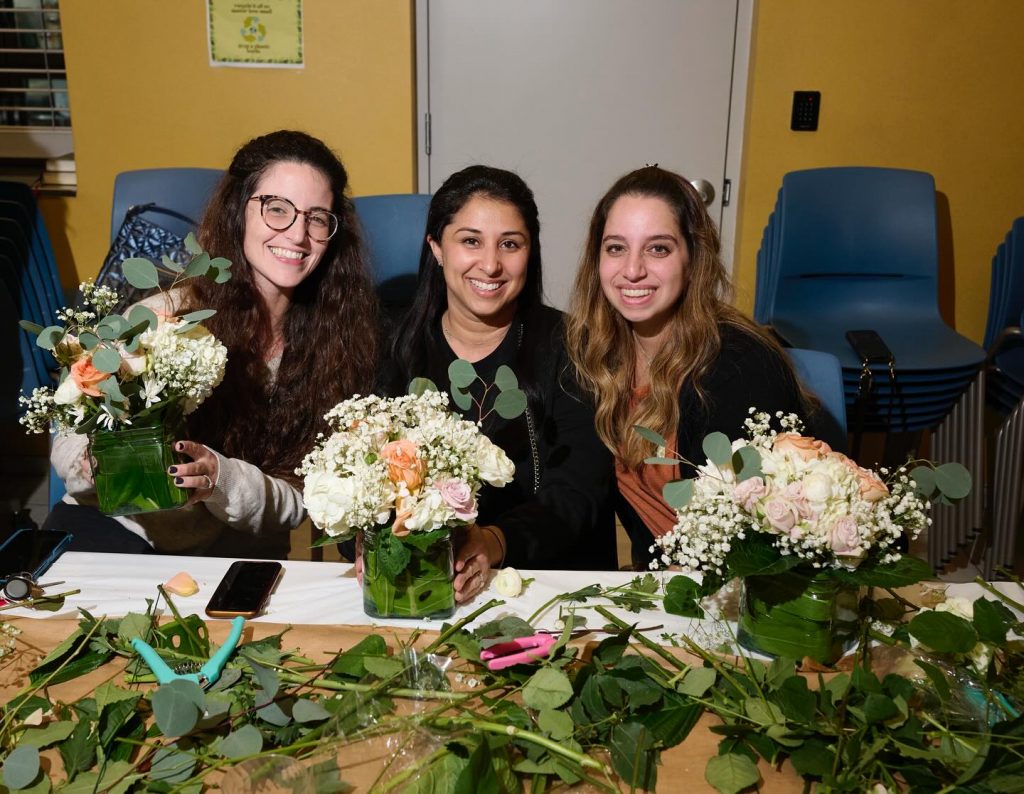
{"points": [[869, 350], [138, 209]]}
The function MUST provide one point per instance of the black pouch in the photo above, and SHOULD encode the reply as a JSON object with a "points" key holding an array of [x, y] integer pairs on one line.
{"points": [[871, 349]]}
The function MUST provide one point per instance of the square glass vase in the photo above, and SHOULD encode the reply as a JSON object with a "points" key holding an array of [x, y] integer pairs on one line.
{"points": [[423, 589], [129, 468]]}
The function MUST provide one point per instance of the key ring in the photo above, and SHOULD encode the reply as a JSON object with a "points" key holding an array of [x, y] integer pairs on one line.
{"points": [[22, 586]]}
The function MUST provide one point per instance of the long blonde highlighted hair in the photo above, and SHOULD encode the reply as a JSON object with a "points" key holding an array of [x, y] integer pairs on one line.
{"points": [[600, 341]]}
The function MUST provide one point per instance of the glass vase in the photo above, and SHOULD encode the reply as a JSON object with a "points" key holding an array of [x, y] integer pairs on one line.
{"points": [[797, 614], [423, 588], [129, 468]]}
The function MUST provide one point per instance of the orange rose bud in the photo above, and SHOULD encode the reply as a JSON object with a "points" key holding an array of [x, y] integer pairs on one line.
{"points": [[806, 447], [404, 464], [87, 377]]}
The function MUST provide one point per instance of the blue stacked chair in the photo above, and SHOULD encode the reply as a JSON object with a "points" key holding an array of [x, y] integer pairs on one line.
{"points": [[183, 190], [821, 374], [857, 248], [1003, 339], [393, 230]]}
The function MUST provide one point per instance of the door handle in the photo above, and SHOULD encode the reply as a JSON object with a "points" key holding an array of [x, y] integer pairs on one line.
{"points": [[705, 189]]}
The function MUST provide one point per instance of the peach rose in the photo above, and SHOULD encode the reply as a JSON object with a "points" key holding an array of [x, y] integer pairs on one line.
{"points": [[806, 447], [399, 529], [872, 489], [404, 464], [87, 377]]}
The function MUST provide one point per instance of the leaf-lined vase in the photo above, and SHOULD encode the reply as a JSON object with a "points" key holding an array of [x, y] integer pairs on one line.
{"points": [[796, 614], [129, 468], [409, 576]]}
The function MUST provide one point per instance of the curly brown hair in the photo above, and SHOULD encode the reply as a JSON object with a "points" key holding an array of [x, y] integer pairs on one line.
{"points": [[330, 329], [600, 340]]}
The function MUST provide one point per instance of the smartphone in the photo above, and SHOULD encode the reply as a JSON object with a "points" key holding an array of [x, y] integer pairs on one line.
{"points": [[245, 589], [31, 551], [869, 346]]}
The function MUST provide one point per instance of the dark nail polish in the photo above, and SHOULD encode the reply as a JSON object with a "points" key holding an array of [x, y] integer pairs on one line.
{"points": [[178, 480], [172, 470]]}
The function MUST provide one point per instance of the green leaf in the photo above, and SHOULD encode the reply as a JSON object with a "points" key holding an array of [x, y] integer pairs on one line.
{"points": [[170, 264], [953, 480], [267, 678], [352, 661], [461, 373], [111, 326], [731, 773], [140, 273], [111, 388], [418, 386], [392, 555], [198, 316], [171, 765], [757, 557], [106, 359], [795, 700], [117, 778], [32, 328], [21, 767], [463, 399], [556, 724], [50, 336], [763, 713], [879, 708], [479, 776], [440, 776], [718, 448], [383, 666], [107, 693], [199, 266], [270, 709], [223, 275], [505, 379], [650, 435], [245, 741], [133, 626], [814, 758], [220, 263], [192, 245], [78, 751], [51, 733], [924, 480], [510, 404], [673, 721], [698, 681], [143, 314], [630, 746], [746, 462], [306, 710], [992, 620], [682, 597], [658, 461], [177, 706], [548, 688], [943, 632], [905, 571], [678, 493]]}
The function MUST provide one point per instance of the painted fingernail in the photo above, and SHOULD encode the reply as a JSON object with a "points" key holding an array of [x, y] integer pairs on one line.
{"points": [[178, 480], [172, 470], [179, 446]]}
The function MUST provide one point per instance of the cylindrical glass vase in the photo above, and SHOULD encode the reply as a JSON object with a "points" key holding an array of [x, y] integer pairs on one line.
{"points": [[129, 468], [422, 589], [797, 614]]}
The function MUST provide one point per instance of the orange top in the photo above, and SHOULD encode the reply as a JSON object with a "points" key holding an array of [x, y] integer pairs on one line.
{"points": [[643, 490]]}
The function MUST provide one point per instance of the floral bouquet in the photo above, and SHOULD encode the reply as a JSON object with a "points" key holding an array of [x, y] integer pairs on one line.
{"points": [[127, 381], [804, 526], [402, 471]]}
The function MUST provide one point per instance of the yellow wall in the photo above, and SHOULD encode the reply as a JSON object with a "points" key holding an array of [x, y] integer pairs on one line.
{"points": [[143, 95], [936, 86]]}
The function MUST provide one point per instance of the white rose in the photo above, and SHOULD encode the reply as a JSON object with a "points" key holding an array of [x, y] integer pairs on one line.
{"points": [[957, 605], [508, 582], [494, 466], [817, 489], [328, 500], [429, 512], [67, 393], [132, 364]]}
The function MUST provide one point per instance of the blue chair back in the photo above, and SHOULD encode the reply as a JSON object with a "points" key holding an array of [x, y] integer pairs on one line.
{"points": [[394, 227], [184, 190], [822, 374]]}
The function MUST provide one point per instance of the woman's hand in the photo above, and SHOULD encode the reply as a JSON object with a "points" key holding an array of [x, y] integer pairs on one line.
{"points": [[200, 475], [358, 562], [479, 550]]}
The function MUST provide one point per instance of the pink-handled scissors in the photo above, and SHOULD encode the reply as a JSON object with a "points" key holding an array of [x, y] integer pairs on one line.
{"points": [[523, 650]]}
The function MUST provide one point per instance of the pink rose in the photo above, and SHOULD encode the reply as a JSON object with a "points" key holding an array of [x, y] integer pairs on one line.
{"points": [[806, 447], [781, 515], [794, 493], [459, 497], [844, 538], [749, 492]]}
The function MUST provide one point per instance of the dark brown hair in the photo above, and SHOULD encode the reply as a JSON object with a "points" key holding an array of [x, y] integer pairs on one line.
{"points": [[330, 329]]}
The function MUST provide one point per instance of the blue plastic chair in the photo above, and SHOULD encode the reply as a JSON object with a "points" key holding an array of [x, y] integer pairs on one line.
{"points": [[821, 373], [394, 227], [184, 190]]}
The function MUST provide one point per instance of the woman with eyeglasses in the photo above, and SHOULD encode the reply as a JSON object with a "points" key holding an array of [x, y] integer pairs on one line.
{"points": [[479, 298], [298, 318]]}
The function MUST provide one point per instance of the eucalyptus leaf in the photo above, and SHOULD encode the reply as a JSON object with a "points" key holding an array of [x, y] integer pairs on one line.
{"points": [[110, 387], [306, 710], [199, 266], [718, 448], [140, 273], [240, 743], [265, 677], [223, 276], [111, 326], [170, 264], [461, 398], [106, 359], [21, 767], [171, 765], [510, 404], [746, 462], [461, 374], [953, 480], [192, 245], [924, 480], [32, 328], [88, 340], [175, 706], [220, 263], [731, 773], [130, 335], [198, 316], [548, 688], [271, 710], [49, 337], [678, 493], [650, 435], [659, 461], [505, 378], [419, 386]]}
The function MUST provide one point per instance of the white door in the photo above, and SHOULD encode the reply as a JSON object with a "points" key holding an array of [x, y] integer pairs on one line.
{"points": [[571, 94]]}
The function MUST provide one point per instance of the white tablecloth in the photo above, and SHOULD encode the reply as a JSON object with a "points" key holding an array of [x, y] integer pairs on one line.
{"points": [[327, 593]]}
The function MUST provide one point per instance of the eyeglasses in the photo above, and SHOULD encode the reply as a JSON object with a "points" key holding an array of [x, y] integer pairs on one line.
{"points": [[279, 214]]}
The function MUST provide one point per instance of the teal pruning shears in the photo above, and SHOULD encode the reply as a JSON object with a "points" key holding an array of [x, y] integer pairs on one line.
{"points": [[208, 674]]}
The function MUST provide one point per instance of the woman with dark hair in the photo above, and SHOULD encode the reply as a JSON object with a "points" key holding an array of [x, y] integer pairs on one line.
{"points": [[654, 340], [298, 318], [479, 298]]}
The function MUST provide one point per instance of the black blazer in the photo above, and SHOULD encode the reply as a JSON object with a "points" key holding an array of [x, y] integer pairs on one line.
{"points": [[746, 373]]}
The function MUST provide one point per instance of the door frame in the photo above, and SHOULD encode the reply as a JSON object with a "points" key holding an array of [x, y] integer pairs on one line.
{"points": [[742, 40]]}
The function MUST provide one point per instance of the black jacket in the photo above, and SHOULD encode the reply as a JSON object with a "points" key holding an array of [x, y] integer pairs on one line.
{"points": [[557, 513], [745, 374]]}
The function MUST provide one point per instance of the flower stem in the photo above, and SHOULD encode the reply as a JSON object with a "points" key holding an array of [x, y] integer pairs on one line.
{"points": [[442, 638], [998, 594], [649, 644]]}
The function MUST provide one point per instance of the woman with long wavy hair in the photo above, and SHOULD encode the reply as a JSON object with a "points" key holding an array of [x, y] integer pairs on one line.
{"points": [[653, 338], [298, 318]]}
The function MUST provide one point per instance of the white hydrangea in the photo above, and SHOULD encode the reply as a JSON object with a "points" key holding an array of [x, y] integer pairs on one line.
{"points": [[190, 363]]}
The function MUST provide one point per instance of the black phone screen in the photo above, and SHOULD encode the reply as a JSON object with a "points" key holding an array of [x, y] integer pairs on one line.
{"points": [[31, 551], [244, 589]]}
